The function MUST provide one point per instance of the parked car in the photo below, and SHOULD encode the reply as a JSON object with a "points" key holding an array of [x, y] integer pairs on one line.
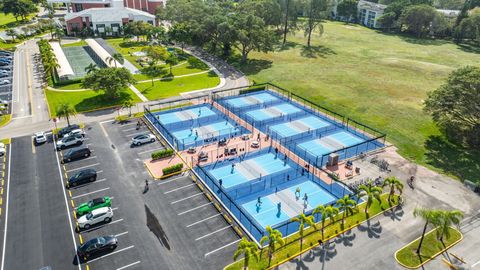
{"points": [[4, 82], [77, 131], [245, 137], [202, 156], [142, 139], [3, 52], [76, 153], [62, 132], [4, 71], [4, 102], [3, 150], [4, 63], [6, 67], [255, 144], [102, 214], [96, 245], [3, 75], [40, 137], [69, 141], [82, 177], [91, 205]]}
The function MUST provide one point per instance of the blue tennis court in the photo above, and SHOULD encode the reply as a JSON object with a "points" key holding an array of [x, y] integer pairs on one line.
{"points": [[189, 136], [284, 109], [267, 213], [184, 115], [249, 169], [299, 126], [333, 142], [252, 99]]}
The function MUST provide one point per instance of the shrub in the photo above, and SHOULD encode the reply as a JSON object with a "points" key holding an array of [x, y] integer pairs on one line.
{"points": [[172, 169], [162, 153], [252, 89], [196, 63]]}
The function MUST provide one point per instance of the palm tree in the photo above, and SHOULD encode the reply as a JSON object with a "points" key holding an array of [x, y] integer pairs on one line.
{"points": [[347, 206], [90, 68], [274, 237], [372, 192], [248, 249], [58, 34], [326, 212], [303, 220], [394, 184], [430, 217], [65, 110], [447, 220], [128, 104], [11, 33], [116, 57]]}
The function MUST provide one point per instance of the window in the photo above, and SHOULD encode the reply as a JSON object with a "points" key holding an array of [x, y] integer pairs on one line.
{"points": [[78, 7], [150, 22]]}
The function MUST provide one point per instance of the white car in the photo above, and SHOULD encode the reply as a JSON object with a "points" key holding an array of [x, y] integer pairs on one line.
{"points": [[69, 141], [143, 138], [3, 150], [3, 82], [102, 214], [255, 144], [77, 131], [40, 137]]}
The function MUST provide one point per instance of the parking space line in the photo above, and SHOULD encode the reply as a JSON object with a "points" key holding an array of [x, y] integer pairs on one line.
{"points": [[120, 234], [129, 129], [222, 247], [168, 181], [128, 265], [89, 193], [101, 226], [99, 171], [186, 198], [137, 133], [208, 234], [179, 188], [84, 167], [151, 150], [110, 254], [200, 221], [195, 208], [115, 209]]}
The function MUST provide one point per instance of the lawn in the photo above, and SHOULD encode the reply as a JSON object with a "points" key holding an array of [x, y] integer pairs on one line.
{"points": [[182, 68], [431, 246], [126, 48], [168, 88], [73, 86], [75, 44], [5, 119], [378, 79], [8, 21], [85, 100]]}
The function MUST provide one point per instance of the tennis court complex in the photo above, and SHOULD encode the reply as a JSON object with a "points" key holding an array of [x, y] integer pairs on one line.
{"points": [[79, 57]]}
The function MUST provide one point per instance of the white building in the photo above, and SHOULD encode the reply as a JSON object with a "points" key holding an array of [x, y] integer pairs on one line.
{"points": [[369, 12]]}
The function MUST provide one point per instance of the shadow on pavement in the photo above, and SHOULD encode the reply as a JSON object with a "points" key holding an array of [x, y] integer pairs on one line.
{"points": [[373, 230]]}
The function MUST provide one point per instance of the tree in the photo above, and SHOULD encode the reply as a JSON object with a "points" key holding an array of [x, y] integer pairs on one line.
{"points": [[156, 32], [316, 11], [152, 71], [372, 192], [180, 33], [347, 206], [58, 34], [347, 9], [303, 220], [454, 106], [248, 249], [273, 238], [171, 61], [394, 184], [326, 212], [417, 19], [18, 8], [430, 217], [251, 34], [156, 53], [112, 81], [388, 20], [90, 68], [128, 104], [66, 110], [137, 29], [448, 219], [116, 57], [469, 27], [11, 33]]}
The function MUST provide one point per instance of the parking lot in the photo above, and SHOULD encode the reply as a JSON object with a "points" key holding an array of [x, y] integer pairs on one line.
{"points": [[6, 80]]}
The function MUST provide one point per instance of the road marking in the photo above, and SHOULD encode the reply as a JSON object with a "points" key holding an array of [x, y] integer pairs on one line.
{"points": [[93, 192], [186, 198], [115, 209], [152, 150], [104, 131], [179, 188], [128, 265], [475, 264], [115, 221], [120, 234], [168, 181], [33, 147], [66, 206], [99, 171], [137, 133], [129, 129], [107, 121], [126, 125], [200, 221], [21, 117], [195, 208], [208, 234], [29, 84], [220, 248], [110, 254], [84, 167], [6, 207]]}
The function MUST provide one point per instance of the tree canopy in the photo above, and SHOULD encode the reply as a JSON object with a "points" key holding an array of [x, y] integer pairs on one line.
{"points": [[110, 80]]}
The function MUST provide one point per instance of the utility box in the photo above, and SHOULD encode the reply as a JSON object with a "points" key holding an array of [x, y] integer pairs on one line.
{"points": [[333, 159]]}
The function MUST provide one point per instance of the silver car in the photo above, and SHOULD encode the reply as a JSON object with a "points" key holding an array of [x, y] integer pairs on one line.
{"points": [[102, 214], [143, 138], [69, 141]]}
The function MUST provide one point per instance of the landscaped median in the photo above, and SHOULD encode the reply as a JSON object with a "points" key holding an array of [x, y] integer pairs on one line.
{"points": [[311, 238], [431, 247], [5, 119]]}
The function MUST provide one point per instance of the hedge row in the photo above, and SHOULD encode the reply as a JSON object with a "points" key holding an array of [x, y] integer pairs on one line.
{"points": [[162, 153], [172, 169]]}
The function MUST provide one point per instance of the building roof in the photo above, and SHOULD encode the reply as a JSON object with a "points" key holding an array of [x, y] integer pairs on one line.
{"points": [[108, 14], [449, 12], [362, 4], [64, 68]]}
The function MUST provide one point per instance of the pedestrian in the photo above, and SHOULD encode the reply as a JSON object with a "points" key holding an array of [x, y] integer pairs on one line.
{"points": [[233, 167], [258, 136], [305, 197], [196, 133], [220, 181], [288, 177], [259, 201], [146, 186], [279, 207], [297, 192], [276, 190]]}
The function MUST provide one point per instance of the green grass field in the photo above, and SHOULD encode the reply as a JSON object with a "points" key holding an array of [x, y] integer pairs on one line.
{"points": [[127, 48], [168, 88], [378, 79], [8, 21], [85, 100]]}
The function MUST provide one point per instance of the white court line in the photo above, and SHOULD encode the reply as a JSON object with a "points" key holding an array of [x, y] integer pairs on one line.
{"points": [[205, 219], [475, 264], [86, 194], [128, 265], [168, 181], [120, 250], [186, 198], [137, 133], [208, 234], [220, 248], [179, 188], [192, 209], [84, 167], [144, 152], [120, 234]]}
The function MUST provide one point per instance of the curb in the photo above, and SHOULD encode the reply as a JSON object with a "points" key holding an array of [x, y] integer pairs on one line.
{"points": [[433, 256]]}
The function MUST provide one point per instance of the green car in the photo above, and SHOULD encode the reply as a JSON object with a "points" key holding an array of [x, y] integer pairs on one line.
{"points": [[87, 207]]}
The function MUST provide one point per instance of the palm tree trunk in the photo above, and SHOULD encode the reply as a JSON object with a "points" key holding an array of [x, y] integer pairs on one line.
{"points": [[323, 228], [286, 23], [343, 218], [423, 236], [270, 255], [68, 120]]}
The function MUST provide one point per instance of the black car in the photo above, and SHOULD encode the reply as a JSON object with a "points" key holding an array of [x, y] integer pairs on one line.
{"points": [[76, 153], [82, 177], [97, 245], [64, 131]]}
